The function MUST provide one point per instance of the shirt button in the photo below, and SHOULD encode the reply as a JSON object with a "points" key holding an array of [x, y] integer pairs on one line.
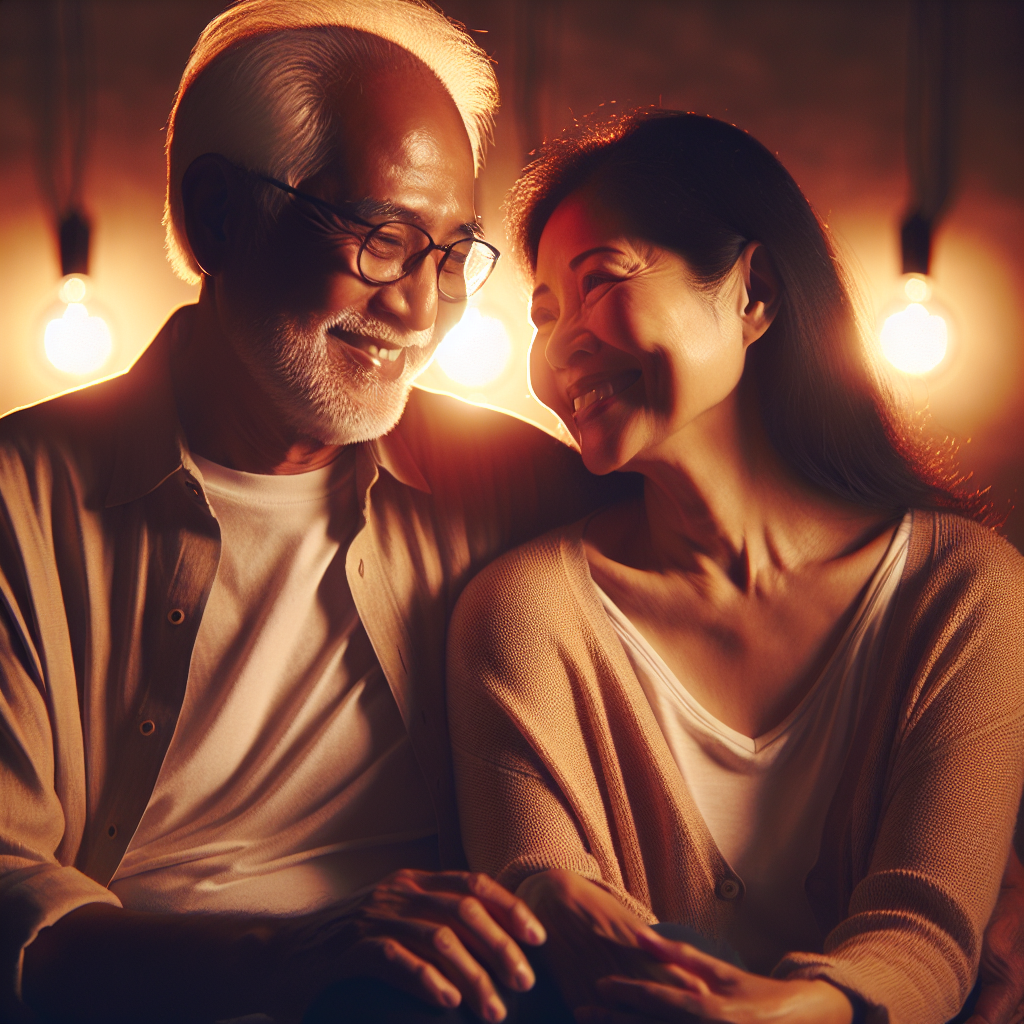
{"points": [[728, 889], [112, 831], [148, 727], [195, 489], [175, 616]]}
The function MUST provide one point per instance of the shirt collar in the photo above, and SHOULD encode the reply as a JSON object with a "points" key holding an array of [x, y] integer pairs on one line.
{"points": [[150, 445]]}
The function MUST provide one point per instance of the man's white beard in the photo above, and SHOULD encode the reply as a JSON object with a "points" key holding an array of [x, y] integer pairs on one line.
{"points": [[321, 392]]}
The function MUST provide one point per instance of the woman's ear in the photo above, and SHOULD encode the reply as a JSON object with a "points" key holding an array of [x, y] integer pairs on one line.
{"points": [[207, 190], [762, 291]]}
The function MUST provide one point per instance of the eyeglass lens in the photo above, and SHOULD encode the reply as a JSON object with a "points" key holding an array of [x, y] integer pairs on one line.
{"points": [[389, 251]]}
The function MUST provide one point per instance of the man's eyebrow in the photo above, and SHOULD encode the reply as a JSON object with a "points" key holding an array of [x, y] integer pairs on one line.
{"points": [[366, 208], [577, 260]]}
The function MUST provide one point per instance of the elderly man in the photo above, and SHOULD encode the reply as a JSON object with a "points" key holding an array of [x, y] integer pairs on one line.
{"points": [[261, 509], [238, 513]]}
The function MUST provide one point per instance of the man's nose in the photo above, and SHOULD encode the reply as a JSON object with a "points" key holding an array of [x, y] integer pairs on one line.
{"points": [[413, 300]]}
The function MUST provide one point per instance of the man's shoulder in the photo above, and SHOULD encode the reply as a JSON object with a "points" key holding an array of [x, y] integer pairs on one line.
{"points": [[455, 443], [74, 421], [436, 419]]}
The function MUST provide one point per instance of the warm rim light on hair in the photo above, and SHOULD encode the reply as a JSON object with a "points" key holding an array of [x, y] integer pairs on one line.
{"points": [[476, 351]]}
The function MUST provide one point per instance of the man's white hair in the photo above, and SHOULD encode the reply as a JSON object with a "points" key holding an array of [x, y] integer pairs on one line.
{"points": [[256, 85]]}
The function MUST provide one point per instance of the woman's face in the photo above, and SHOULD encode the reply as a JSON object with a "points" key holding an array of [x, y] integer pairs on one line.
{"points": [[627, 351]]}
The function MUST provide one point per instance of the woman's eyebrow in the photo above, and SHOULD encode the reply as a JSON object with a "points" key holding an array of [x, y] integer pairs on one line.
{"points": [[577, 260]]}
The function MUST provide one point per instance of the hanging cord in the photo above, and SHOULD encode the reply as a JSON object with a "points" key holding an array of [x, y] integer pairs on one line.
{"points": [[64, 109], [538, 28], [930, 126]]}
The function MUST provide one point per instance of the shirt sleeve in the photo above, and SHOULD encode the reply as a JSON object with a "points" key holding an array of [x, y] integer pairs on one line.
{"points": [[36, 888], [910, 943], [514, 817]]}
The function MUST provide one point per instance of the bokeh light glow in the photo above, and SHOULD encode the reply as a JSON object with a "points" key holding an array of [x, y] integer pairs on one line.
{"points": [[77, 343], [914, 340], [476, 351]]}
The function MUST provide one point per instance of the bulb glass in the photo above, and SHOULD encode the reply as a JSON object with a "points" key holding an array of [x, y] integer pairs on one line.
{"points": [[77, 343], [476, 350]]}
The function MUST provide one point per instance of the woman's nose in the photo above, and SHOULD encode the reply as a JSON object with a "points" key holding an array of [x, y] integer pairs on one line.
{"points": [[567, 346]]}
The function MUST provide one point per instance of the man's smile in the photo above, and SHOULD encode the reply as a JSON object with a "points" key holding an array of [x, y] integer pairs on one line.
{"points": [[371, 352]]}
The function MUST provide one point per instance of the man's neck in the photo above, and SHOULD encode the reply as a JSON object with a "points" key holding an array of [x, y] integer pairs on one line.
{"points": [[227, 416]]}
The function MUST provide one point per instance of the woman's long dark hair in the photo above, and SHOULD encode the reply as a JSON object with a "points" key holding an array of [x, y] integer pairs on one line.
{"points": [[703, 189]]}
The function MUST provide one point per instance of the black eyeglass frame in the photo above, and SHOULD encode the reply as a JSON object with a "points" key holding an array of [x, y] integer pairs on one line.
{"points": [[413, 261]]}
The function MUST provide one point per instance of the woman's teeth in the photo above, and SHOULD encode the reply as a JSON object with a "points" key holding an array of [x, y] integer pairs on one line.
{"points": [[387, 354], [581, 402]]}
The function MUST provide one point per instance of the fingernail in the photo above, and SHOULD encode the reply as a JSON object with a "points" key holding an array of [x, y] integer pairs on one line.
{"points": [[535, 934], [495, 1010], [451, 997], [524, 979]]}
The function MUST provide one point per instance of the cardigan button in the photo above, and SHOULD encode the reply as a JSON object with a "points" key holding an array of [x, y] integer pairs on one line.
{"points": [[148, 727], [728, 889], [175, 616]]}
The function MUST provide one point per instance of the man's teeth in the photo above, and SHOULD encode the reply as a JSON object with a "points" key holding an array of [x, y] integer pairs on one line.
{"points": [[580, 402], [387, 354]]}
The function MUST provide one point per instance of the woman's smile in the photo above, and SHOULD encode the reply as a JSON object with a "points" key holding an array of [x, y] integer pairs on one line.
{"points": [[590, 395]]}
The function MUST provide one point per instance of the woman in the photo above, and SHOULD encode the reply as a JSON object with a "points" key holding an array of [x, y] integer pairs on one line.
{"points": [[777, 696]]}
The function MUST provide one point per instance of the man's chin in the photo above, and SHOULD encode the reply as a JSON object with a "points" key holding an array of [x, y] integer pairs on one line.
{"points": [[357, 417]]}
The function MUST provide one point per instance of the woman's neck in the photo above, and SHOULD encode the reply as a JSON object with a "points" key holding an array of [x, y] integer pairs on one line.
{"points": [[718, 494]]}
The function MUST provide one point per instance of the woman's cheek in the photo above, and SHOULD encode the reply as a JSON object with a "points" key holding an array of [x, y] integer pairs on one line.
{"points": [[545, 386]]}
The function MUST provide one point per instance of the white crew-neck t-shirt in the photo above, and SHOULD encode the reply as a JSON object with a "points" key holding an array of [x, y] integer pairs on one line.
{"points": [[290, 780], [765, 799]]}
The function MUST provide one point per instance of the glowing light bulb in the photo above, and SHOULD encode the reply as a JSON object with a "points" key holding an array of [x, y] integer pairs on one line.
{"points": [[915, 332], [476, 350], [75, 342]]}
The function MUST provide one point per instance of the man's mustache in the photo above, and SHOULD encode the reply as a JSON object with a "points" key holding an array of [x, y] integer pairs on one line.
{"points": [[354, 322]]}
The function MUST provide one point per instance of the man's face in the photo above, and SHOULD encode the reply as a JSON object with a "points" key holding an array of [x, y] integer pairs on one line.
{"points": [[336, 355]]}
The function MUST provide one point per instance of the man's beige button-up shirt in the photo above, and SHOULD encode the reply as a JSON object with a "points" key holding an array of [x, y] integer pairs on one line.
{"points": [[108, 550]]}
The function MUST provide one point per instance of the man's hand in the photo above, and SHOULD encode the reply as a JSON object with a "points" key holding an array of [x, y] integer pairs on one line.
{"points": [[437, 935], [1002, 954], [706, 988]]}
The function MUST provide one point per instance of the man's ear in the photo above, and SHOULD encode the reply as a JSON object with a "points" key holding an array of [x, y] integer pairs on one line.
{"points": [[208, 189], [763, 291]]}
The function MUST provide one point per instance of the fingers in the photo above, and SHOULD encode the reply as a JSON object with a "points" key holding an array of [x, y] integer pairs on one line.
{"points": [[718, 974], [507, 909], [439, 946], [649, 999], [389, 961]]}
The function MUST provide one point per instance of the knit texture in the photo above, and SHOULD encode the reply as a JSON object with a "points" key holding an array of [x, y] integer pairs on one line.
{"points": [[560, 763]]}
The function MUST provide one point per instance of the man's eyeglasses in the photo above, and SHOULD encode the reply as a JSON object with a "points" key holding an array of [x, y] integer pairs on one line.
{"points": [[392, 250]]}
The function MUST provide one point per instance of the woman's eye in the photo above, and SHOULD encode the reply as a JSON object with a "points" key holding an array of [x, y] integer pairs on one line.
{"points": [[592, 281]]}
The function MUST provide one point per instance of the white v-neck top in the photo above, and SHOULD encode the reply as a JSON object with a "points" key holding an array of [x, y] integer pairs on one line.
{"points": [[765, 799]]}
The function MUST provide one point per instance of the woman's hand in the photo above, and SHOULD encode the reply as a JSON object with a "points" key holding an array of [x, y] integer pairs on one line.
{"points": [[590, 934], [1002, 954], [706, 988]]}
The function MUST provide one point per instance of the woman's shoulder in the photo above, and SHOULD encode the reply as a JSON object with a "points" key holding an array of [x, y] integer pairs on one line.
{"points": [[528, 583], [953, 551]]}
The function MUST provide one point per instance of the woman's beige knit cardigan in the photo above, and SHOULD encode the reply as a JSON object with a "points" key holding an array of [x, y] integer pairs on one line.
{"points": [[561, 763]]}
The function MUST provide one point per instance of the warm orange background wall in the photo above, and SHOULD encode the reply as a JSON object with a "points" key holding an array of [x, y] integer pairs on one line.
{"points": [[820, 82]]}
